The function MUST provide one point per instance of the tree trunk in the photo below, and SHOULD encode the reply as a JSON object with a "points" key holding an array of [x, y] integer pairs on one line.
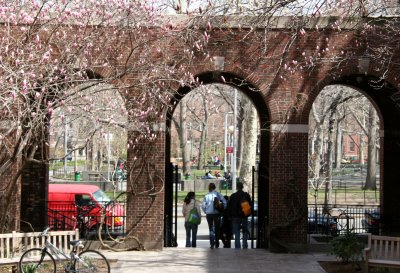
{"points": [[203, 137], [370, 183], [328, 179], [202, 147], [183, 137], [99, 157], [242, 128], [248, 155], [316, 158], [92, 154], [338, 150]]}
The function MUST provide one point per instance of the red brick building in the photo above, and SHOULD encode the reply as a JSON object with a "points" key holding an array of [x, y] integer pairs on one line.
{"points": [[283, 93]]}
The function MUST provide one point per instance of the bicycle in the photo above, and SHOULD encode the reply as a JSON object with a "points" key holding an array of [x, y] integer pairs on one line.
{"points": [[41, 260]]}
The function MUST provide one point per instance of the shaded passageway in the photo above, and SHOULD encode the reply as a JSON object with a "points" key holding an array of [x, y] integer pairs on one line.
{"points": [[201, 260]]}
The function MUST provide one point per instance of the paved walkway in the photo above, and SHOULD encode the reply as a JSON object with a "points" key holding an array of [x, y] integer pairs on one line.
{"points": [[202, 259]]}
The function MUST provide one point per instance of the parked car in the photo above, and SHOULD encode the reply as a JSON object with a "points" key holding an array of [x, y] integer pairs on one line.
{"points": [[322, 224], [371, 221]]}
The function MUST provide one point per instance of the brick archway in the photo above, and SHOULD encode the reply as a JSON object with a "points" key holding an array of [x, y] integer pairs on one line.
{"points": [[264, 120], [283, 99], [384, 97]]}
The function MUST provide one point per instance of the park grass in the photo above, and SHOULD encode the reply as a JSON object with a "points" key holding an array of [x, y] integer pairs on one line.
{"points": [[341, 197], [199, 194], [346, 196]]}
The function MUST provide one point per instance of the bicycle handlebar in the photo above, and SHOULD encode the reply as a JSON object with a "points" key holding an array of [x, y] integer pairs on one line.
{"points": [[44, 232]]}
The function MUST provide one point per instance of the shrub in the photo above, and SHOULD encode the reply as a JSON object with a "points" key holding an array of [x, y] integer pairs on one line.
{"points": [[29, 268], [347, 247]]}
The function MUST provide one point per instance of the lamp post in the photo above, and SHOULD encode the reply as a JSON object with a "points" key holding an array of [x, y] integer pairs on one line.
{"points": [[226, 143], [234, 143]]}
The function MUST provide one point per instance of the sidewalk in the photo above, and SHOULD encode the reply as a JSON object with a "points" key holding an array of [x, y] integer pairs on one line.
{"points": [[203, 259]]}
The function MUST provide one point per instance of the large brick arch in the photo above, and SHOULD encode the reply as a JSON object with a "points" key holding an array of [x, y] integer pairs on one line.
{"points": [[283, 98], [259, 102]]}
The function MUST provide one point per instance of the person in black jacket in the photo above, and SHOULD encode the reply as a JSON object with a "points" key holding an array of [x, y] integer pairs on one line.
{"points": [[226, 227], [238, 219]]}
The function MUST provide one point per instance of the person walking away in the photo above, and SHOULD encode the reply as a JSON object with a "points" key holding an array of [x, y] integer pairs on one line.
{"points": [[238, 219], [191, 229], [213, 216], [226, 227]]}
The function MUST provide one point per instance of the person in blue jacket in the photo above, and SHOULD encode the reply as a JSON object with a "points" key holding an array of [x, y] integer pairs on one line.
{"points": [[213, 216]]}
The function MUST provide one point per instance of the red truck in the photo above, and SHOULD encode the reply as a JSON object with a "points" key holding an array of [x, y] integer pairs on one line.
{"points": [[80, 206]]}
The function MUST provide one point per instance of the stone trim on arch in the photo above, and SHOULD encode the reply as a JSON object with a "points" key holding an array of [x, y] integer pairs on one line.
{"points": [[289, 128]]}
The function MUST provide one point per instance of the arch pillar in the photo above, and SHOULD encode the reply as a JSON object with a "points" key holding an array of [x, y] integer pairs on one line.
{"points": [[390, 190], [145, 200], [287, 225]]}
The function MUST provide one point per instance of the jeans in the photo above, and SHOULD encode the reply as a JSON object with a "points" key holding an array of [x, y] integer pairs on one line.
{"points": [[237, 224], [214, 224], [191, 231]]}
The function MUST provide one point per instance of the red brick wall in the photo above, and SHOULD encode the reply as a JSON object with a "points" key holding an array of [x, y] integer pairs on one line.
{"points": [[286, 93], [286, 96]]}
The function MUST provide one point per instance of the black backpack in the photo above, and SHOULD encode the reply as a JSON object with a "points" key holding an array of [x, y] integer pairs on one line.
{"points": [[218, 205]]}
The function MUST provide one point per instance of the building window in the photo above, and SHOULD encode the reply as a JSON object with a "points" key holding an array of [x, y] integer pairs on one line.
{"points": [[352, 146]]}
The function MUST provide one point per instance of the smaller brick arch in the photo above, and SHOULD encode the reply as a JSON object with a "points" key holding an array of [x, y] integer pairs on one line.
{"points": [[258, 100], [383, 97]]}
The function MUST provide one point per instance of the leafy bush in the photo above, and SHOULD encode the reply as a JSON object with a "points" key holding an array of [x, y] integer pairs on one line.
{"points": [[347, 247], [29, 268]]}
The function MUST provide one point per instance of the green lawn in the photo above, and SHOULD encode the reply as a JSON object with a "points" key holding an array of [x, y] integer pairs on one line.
{"points": [[199, 194], [346, 196]]}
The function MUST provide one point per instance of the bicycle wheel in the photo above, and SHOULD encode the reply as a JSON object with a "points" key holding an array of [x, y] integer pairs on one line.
{"points": [[92, 261], [37, 260]]}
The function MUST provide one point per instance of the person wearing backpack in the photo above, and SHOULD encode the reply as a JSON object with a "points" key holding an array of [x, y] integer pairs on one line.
{"points": [[191, 226], [213, 214], [239, 210]]}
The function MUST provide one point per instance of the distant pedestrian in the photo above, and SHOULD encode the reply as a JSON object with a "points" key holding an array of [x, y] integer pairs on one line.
{"points": [[191, 229], [213, 216], [226, 226], [239, 220], [209, 175]]}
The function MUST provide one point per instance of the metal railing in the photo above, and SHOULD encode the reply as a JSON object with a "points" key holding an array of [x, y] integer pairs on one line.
{"points": [[66, 215], [343, 218]]}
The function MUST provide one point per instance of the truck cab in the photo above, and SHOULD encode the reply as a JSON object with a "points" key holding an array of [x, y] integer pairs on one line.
{"points": [[85, 207]]}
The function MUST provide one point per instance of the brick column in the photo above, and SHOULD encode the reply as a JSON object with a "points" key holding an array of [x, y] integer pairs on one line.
{"points": [[145, 207], [287, 227], [34, 186], [10, 190]]}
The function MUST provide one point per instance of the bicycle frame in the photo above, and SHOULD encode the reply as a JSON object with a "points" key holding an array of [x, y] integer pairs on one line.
{"points": [[59, 254], [51, 256], [55, 251]]}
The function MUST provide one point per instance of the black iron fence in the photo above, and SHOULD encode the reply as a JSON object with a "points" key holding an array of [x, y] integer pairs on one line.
{"points": [[89, 218], [343, 218]]}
